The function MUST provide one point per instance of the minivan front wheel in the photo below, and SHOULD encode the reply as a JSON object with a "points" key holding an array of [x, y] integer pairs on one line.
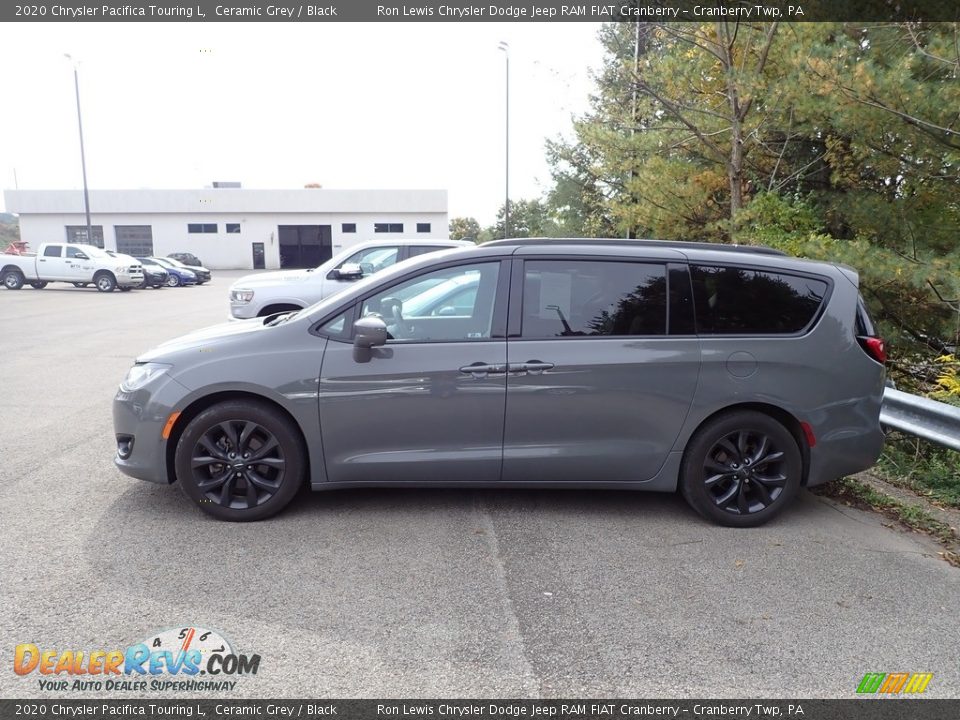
{"points": [[741, 469], [240, 460]]}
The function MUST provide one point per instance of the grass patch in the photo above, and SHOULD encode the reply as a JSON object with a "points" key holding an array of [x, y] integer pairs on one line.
{"points": [[923, 467], [855, 493]]}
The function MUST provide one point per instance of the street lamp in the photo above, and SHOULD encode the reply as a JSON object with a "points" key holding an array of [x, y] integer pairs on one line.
{"points": [[506, 206], [83, 159]]}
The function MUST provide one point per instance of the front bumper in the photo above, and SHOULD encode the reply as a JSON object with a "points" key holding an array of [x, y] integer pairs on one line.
{"points": [[130, 279], [242, 311], [138, 421]]}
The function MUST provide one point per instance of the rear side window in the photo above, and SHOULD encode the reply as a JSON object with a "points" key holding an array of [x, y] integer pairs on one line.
{"points": [[51, 251], [416, 250], [739, 301], [573, 298]]}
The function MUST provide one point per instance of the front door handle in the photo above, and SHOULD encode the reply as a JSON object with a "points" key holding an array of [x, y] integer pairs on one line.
{"points": [[534, 367], [480, 370]]}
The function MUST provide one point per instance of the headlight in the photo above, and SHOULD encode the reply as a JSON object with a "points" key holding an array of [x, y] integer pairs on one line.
{"points": [[241, 295], [120, 268], [140, 375]]}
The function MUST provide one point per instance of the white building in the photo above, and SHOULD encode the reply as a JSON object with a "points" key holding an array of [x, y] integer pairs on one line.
{"points": [[230, 227]]}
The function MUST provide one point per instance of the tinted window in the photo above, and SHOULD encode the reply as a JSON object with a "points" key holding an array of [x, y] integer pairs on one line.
{"points": [[72, 252], [572, 298], [51, 251], [450, 304], [202, 228], [388, 227], [423, 250], [423, 227], [732, 300], [348, 227], [232, 227]]}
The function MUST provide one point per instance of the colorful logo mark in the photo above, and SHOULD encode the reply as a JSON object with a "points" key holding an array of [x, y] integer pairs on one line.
{"points": [[894, 683]]}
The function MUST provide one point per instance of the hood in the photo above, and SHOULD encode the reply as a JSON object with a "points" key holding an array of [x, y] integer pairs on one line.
{"points": [[209, 339], [274, 277]]}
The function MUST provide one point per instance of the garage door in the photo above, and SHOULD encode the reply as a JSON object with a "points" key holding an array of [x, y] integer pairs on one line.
{"points": [[136, 240]]}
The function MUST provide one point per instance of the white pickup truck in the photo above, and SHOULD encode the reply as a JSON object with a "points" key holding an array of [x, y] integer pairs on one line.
{"points": [[267, 293], [68, 262]]}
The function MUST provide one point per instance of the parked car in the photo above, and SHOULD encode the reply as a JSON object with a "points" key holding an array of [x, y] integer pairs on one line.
{"points": [[737, 375], [186, 258], [203, 275], [267, 293], [72, 263], [154, 275], [176, 276]]}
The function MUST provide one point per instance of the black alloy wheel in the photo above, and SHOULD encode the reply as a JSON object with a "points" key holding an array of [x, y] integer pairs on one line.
{"points": [[241, 460], [741, 469]]}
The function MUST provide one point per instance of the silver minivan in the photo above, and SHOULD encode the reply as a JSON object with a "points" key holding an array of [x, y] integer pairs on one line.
{"points": [[736, 375]]}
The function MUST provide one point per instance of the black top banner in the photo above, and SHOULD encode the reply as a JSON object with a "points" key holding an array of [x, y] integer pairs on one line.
{"points": [[483, 11]]}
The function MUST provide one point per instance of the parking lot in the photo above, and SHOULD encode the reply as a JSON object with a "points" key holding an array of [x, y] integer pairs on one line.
{"points": [[425, 593]]}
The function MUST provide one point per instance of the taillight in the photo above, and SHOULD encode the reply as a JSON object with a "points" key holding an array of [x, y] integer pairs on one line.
{"points": [[874, 347]]}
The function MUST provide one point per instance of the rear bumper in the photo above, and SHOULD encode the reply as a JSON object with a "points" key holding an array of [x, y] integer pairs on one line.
{"points": [[849, 446]]}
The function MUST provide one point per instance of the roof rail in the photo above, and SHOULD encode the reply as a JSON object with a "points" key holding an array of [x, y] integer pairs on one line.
{"points": [[676, 244]]}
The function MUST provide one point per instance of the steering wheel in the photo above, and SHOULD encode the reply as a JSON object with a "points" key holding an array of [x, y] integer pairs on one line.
{"points": [[396, 317]]}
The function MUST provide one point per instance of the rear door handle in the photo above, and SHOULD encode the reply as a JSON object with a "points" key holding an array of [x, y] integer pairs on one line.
{"points": [[480, 370], [534, 367]]}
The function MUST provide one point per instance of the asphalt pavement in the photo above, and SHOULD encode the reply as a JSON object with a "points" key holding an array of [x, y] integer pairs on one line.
{"points": [[424, 593]]}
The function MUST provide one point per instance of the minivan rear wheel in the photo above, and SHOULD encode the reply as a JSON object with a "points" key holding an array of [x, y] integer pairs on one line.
{"points": [[240, 460], [740, 469]]}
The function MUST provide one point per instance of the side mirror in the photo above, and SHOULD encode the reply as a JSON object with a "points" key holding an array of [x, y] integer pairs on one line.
{"points": [[369, 331], [80, 256], [349, 271]]}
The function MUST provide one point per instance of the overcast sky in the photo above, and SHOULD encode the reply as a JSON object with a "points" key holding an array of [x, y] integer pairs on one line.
{"points": [[371, 105]]}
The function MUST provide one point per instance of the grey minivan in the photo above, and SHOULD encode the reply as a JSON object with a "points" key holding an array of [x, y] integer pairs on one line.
{"points": [[735, 374]]}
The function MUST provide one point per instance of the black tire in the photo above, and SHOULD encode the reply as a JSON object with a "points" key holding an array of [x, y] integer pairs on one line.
{"points": [[104, 281], [80, 285], [741, 469], [126, 288], [13, 280], [235, 488], [173, 281], [38, 284]]}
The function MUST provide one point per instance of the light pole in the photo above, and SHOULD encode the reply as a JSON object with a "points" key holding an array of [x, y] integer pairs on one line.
{"points": [[83, 159], [506, 205]]}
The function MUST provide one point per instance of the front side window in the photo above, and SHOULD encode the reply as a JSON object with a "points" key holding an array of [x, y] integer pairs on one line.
{"points": [[737, 301], [578, 298], [373, 260], [453, 304]]}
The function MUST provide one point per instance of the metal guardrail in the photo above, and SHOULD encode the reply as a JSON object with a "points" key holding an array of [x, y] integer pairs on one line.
{"points": [[928, 419]]}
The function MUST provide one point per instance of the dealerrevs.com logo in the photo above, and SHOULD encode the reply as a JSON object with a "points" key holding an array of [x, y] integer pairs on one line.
{"points": [[178, 659], [894, 683]]}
